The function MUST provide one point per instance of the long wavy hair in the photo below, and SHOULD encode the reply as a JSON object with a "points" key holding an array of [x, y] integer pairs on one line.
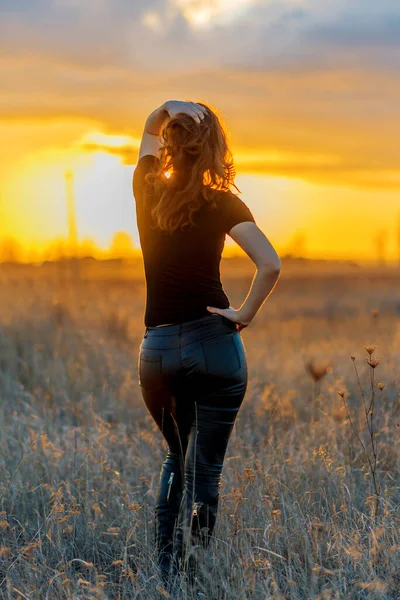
{"points": [[201, 162]]}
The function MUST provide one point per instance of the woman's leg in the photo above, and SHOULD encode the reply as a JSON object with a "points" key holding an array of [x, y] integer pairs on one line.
{"points": [[218, 388], [175, 429]]}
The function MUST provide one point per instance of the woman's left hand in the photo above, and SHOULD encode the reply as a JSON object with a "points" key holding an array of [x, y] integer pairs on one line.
{"points": [[231, 314]]}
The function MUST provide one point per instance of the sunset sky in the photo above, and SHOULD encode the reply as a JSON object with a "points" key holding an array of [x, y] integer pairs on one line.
{"points": [[308, 89]]}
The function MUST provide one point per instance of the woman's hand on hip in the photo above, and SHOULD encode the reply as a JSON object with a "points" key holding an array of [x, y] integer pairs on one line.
{"points": [[196, 111], [231, 314]]}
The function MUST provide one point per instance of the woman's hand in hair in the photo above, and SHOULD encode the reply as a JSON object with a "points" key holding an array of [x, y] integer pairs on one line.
{"points": [[175, 107], [231, 314]]}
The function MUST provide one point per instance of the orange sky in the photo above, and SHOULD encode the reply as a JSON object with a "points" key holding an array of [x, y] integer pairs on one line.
{"points": [[309, 94]]}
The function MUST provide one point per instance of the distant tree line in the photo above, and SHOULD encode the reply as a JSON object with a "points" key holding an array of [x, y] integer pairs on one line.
{"points": [[12, 250]]}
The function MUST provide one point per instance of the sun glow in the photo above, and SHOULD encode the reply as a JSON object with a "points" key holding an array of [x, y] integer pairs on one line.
{"points": [[202, 13], [34, 194], [97, 138], [281, 158], [315, 219]]}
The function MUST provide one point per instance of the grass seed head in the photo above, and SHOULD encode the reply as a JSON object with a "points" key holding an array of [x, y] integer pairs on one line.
{"points": [[370, 349], [373, 362], [318, 369]]}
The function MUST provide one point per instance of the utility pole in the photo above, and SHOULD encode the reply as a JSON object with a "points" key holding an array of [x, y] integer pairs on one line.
{"points": [[380, 245], [398, 239], [72, 229]]}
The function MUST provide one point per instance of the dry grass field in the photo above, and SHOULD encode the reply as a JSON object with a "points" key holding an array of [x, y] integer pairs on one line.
{"points": [[310, 496]]}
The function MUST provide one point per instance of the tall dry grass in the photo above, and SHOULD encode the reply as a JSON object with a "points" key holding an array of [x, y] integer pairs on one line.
{"points": [[309, 500]]}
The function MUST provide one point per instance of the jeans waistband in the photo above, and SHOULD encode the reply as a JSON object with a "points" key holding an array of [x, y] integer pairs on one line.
{"points": [[188, 325]]}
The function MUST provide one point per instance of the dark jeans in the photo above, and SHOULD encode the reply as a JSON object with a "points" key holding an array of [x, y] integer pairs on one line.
{"points": [[193, 378]]}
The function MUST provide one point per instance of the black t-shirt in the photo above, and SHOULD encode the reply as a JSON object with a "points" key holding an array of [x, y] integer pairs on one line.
{"points": [[182, 269]]}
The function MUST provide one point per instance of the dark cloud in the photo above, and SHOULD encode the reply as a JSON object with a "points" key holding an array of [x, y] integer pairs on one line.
{"points": [[269, 35], [93, 32], [359, 31]]}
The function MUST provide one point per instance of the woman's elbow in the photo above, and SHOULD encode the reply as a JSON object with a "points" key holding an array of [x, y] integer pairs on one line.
{"points": [[271, 266]]}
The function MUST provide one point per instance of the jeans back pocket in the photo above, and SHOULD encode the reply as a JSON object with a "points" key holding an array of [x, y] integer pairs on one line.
{"points": [[221, 356], [149, 370]]}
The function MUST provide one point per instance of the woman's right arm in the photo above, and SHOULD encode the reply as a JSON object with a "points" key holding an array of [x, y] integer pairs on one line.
{"points": [[253, 241]]}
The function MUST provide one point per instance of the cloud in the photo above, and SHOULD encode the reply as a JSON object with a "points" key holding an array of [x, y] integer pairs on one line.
{"points": [[300, 78], [206, 13], [180, 34], [177, 35]]}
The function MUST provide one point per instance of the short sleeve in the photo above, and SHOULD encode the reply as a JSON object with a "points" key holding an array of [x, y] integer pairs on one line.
{"points": [[234, 211], [144, 165]]}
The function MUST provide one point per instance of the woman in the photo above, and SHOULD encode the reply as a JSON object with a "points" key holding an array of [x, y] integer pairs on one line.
{"points": [[192, 362]]}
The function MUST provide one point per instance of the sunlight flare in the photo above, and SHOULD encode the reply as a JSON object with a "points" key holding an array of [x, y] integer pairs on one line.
{"points": [[202, 13]]}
